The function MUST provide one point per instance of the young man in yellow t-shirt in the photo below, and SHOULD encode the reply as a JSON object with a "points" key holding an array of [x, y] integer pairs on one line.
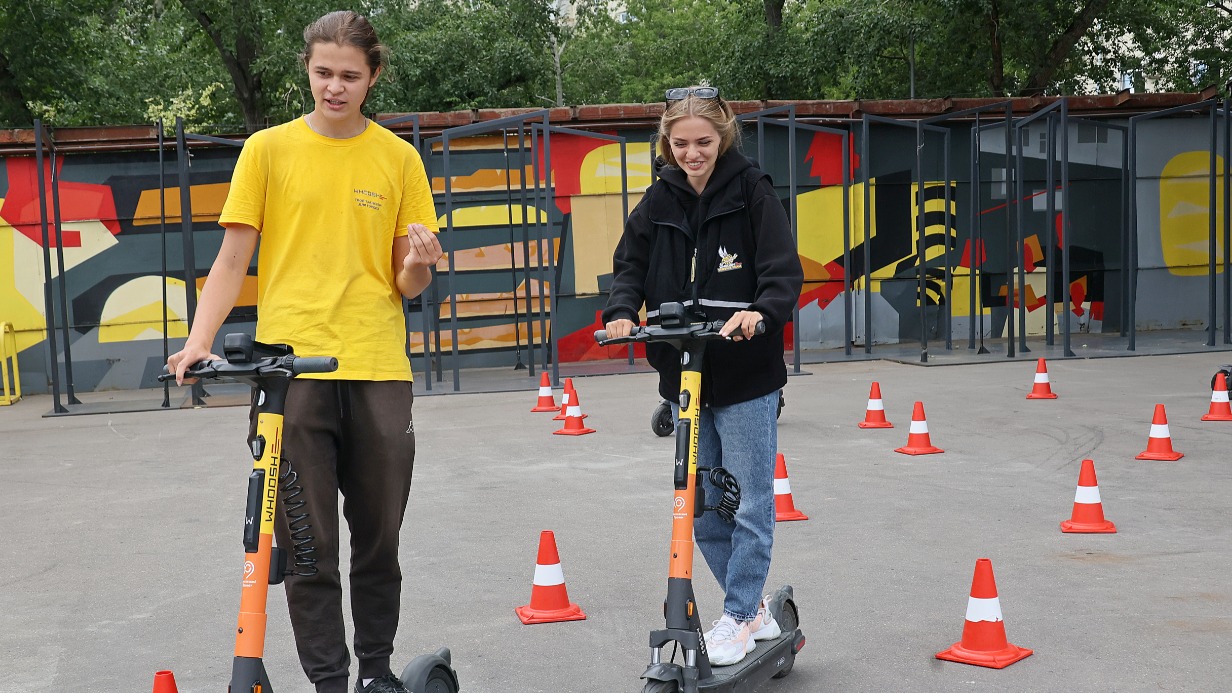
{"points": [[342, 210]]}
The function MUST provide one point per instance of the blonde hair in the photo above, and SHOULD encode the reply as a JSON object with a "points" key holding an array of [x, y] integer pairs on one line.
{"points": [[714, 110]]}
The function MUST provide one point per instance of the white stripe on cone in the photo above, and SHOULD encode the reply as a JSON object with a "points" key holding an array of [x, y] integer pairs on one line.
{"points": [[983, 609], [782, 487], [919, 426], [549, 575], [875, 405], [1160, 431], [545, 391], [1041, 377], [574, 410], [1087, 494], [1219, 396]]}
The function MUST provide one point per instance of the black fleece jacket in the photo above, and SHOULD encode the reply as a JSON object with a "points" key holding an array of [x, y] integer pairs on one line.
{"points": [[745, 260]]}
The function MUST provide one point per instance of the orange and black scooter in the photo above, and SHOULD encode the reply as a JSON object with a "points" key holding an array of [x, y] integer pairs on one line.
{"points": [[771, 658], [269, 368]]}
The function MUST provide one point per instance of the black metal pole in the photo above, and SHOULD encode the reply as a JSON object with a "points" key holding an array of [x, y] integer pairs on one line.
{"points": [[553, 288], [1020, 194], [920, 247], [1049, 237], [61, 279], [1067, 229], [162, 236], [1212, 238], [53, 353], [1011, 186], [848, 328], [866, 164], [186, 240], [1131, 267], [945, 252], [452, 240], [795, 229], [513, 271]]}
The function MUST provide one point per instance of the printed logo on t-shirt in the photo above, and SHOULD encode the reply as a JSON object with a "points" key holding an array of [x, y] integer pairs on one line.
{"points": [[369, 199], [727, 261]]}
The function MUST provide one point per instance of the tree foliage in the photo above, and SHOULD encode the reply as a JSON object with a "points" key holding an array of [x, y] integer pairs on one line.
{"points": [[233, 64]]}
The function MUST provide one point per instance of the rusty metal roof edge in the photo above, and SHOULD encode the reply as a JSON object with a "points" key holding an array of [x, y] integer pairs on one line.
{"points": [[20, 141]]}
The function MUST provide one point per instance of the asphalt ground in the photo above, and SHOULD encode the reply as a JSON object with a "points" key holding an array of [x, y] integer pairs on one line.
{"points": [[120, 535]]}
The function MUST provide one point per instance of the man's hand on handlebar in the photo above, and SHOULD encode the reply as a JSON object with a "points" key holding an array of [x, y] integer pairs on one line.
{"points": [[619, 328], [186, 358], [742, 325]]}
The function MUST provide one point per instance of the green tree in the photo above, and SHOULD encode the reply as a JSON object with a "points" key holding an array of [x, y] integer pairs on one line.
{"points": [[449, 55]]}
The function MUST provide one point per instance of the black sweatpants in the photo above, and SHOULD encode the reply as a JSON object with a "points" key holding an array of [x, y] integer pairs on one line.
{"points": [[357, 438]]}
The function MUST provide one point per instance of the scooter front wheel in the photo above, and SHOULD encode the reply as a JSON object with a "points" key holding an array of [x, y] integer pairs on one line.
{"points": [[661, 687]]}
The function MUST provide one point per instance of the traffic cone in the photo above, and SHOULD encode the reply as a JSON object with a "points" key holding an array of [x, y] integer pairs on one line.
{"points": [[565, 398], [573, 420], [546, 401], [1220, 410], [874, 415], [1041, 389], [164, 682], [1159, 445], [784, 507], [549, 600], [983, 638], [918, 442], [1088, 515]]}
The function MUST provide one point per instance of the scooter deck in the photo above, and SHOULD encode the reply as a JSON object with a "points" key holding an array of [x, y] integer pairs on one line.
{"points": [[770, 657]]}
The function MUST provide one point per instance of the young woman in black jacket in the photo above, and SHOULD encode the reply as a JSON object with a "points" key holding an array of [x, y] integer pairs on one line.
{"points": [[711, 233]]}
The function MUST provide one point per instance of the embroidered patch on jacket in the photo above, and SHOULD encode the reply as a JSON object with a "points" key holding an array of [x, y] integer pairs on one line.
{"points": [[727, 261]]}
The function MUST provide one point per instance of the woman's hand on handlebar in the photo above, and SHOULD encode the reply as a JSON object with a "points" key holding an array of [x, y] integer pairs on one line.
{"points": [[742, 325], [186, 358], [618, 328]]}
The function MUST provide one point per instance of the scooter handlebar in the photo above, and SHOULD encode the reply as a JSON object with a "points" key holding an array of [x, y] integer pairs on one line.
{"points": [[645, 333], [313, 364], [296, 365]]}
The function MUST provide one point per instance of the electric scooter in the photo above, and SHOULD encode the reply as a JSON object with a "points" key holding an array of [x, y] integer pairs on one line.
{"points": [[771, 658], [269, 368]]}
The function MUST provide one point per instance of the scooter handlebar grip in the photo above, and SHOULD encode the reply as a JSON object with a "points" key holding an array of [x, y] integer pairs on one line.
{"points": [[314, 364], [600, 335]]}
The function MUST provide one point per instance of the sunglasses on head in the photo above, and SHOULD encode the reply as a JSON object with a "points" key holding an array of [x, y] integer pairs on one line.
{"points": [[682, 93]]}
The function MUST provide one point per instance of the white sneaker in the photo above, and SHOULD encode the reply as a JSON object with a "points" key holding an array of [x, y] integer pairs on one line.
{"points": [[728, 642], [764, 627]]}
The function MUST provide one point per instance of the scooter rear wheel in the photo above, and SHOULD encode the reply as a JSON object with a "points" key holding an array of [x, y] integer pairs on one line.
{"points": [[661, 420], [439, 681], [660, 687], [789, 621]]}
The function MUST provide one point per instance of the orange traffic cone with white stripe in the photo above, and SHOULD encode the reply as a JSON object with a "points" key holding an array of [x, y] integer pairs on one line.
{"points": [[874, 415], [568, 394], [983, 638], [1088, 515], [164, 682], [573, 419], [784, 507], [1042, 389], [549, 600], [546, 401], [1159, 445], [1220, 410], [918, 442]]}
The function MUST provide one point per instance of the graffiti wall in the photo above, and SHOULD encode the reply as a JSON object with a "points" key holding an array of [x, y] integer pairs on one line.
{"points": [[529, 256]]}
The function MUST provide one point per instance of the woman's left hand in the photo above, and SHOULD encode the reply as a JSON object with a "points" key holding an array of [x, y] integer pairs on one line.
{"points": [[742, 325]]}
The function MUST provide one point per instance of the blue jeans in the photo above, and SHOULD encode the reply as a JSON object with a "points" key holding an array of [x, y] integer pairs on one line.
{"points": [[743, 439]]}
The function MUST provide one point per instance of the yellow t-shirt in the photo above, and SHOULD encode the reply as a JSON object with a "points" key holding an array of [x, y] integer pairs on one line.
{"points": [[328, 211]]}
